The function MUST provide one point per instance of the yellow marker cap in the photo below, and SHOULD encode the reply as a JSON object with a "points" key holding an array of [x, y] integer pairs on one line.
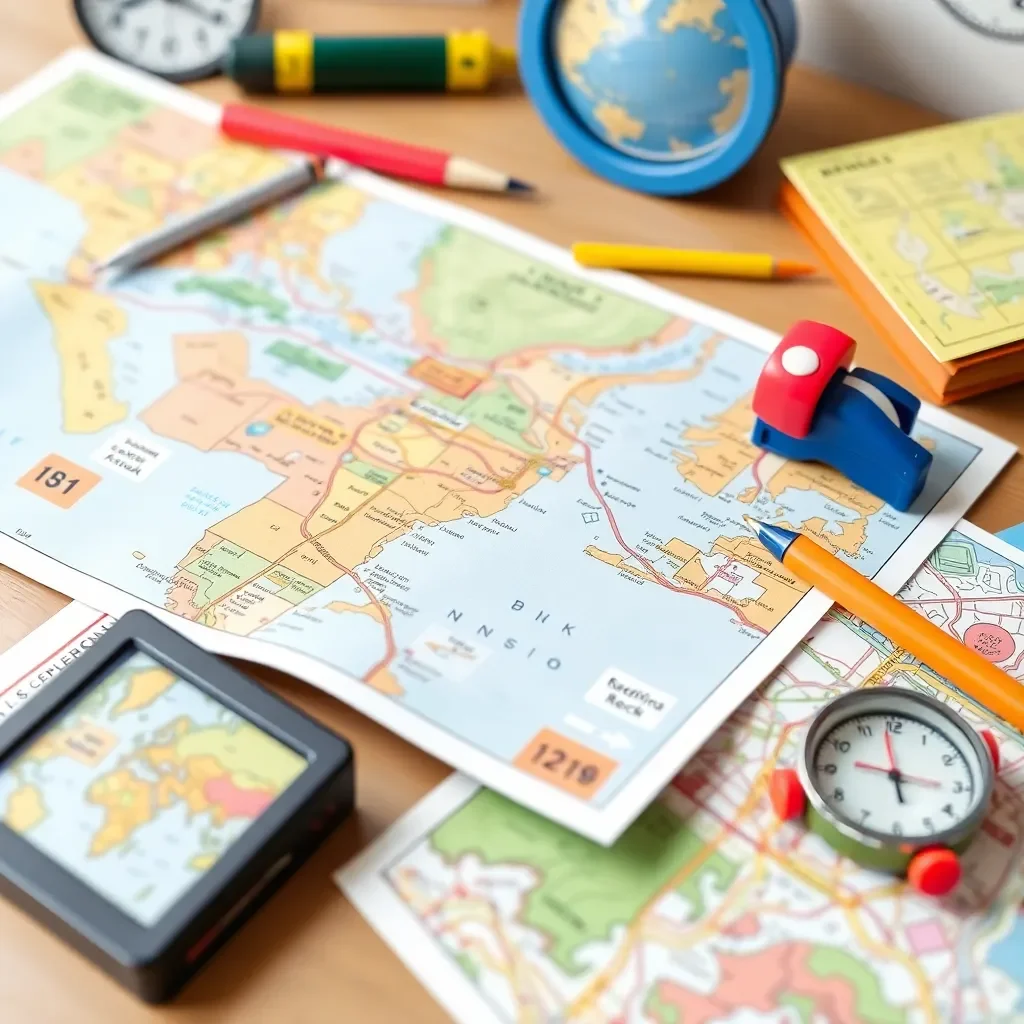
{"points": [[293, 61]]}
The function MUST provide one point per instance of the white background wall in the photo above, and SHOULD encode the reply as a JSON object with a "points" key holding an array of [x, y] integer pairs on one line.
{"points": [[918, 49]]}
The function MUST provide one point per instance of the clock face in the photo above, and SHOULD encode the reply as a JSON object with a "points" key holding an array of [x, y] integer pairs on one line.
{"points": [[1002, 19], [895, 767], [178, 39]]}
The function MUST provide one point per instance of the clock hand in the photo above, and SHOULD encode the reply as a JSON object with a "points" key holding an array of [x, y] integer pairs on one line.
{"points": [[919, 780], [894, 772], [889, 751], [213, 17]]}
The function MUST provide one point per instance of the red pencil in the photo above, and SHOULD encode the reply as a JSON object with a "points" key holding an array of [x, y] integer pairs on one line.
{"points": [[386, 156]]}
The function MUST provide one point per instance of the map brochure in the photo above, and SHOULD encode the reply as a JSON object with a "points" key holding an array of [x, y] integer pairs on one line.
{"points": [[38, 657], [707, 909], [407, 453], [935, 220]]}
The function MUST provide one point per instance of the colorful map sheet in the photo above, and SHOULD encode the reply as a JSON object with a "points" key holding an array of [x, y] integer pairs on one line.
{"points": [[407, 453], [935, 218], [707, 909]]}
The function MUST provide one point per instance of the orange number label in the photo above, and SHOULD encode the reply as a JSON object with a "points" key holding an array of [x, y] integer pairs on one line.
{"points": [[565, 763], [60, 481]]}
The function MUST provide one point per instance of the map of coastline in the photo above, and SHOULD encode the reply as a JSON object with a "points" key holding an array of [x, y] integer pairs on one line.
{"points": [[424, 455]]}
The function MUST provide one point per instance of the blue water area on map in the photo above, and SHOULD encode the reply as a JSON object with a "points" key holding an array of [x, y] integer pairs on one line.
{"points": [[47, 236], [990, 557], [1007, 954], [1013, 535], [672, 355], [385, 235]]}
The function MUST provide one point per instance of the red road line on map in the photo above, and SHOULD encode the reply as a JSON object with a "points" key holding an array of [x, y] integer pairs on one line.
{"points": [[955, 597], [53, 654], [288, 331]]}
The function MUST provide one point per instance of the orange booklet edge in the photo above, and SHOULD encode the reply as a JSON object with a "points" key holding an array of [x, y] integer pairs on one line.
{"points": [[936, 379]]}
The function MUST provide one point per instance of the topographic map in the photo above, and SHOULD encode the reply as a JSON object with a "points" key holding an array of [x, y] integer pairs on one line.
{"points": [[936, 219], [141, 787], [707, 909], [409, 454]]}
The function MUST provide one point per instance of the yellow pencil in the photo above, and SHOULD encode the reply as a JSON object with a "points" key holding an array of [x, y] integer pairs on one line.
{"points": [[662, 260], [964, 667]]}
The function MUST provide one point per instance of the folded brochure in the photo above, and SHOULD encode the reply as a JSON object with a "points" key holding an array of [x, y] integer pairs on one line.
{"points": [[407, 453], [707, 908]]}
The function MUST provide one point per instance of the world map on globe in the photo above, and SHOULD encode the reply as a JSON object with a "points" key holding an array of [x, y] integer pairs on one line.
{"points": [[657, 79]]}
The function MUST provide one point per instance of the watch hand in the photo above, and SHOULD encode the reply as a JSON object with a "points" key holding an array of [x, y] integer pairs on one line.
{"points": [[213, 17], [919, 780], [895, 776], [889, 751], [894, 772]]}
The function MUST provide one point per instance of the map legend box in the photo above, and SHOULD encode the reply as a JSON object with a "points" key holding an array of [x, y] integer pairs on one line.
{"points": [[564, 763], [627, 698], [59, 481]]}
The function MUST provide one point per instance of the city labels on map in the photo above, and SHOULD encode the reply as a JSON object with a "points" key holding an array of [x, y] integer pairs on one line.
{"points": [[130, 456], [442, 417], [627, 698]]}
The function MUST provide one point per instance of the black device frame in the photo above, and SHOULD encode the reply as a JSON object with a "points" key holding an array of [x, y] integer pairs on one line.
{"points": [[155, 961], [214, 67]]}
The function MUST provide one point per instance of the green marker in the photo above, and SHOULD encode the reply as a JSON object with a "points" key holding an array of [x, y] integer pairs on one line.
{"points": [[299, 62]]}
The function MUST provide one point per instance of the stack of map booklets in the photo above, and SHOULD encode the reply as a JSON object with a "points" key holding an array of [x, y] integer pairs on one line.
{"points": [[415, 457], [925, 231]]}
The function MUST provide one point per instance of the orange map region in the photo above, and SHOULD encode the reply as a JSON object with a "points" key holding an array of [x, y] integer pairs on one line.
{"points": [[323, 519], [452, 380]]}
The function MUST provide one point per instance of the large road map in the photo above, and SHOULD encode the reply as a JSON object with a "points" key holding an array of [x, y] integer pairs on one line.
{"points": [[405, 452], [707, 909]]}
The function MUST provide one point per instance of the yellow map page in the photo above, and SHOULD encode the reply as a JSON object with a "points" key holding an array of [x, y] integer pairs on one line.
{"points": [[936, 219]]}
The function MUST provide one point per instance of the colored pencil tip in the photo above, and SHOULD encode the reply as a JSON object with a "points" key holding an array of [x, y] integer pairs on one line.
{"points": [[752, 524], [517, 185], [793, 268]]}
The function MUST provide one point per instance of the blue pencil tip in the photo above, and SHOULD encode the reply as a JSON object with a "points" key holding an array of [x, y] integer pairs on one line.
{"points": [[517, 185], [775, 538]]}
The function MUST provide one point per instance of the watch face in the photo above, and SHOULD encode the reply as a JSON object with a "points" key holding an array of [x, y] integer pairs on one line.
{"points": [[1002, 19], [178, 39], [894, 767]]}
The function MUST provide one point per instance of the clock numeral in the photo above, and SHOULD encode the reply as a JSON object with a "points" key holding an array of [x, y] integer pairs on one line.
{"points": [[838, 795], [864, 730], [864, 815], [928, 824], [897, 828], [924, 738], [829, 769], [842, 746], [958, 786], [948, 808], [948, 759], [168, 45], [202, 38], [894, 725], [141, 35]]}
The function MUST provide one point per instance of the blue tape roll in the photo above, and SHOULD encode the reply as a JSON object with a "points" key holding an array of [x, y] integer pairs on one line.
{"points": [[769, 30]]}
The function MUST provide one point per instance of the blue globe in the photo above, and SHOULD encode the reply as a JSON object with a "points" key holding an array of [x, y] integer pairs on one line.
{"points": [[658, 79]]}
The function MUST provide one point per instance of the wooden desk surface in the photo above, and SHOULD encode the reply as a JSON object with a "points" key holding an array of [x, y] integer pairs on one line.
{"points": [[308, 956]]}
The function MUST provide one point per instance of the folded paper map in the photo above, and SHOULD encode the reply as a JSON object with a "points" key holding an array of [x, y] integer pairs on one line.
{"points": [[708, 909], [400, 450]]}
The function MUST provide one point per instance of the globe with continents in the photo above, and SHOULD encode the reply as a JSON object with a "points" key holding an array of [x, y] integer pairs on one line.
{"points": [[657, 79]]}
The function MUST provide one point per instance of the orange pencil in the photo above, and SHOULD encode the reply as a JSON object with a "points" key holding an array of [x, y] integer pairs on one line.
{"points": [[965, 668]]}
